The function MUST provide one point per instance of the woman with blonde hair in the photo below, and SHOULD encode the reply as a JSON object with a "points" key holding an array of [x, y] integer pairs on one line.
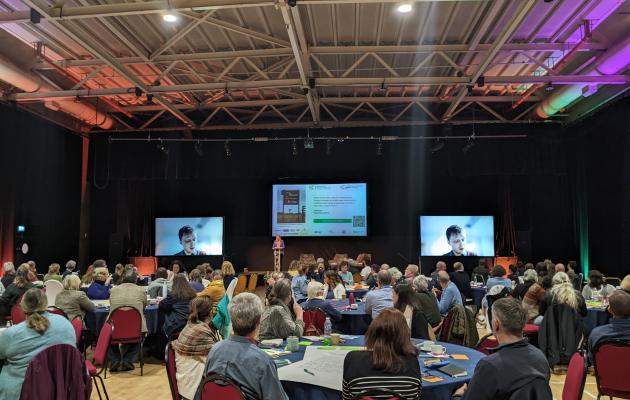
{"points": [[562, 292], [88, 277], [14, 291], [53, 273], [71, 300], [22, 342], [100, 287], [228, 273]]}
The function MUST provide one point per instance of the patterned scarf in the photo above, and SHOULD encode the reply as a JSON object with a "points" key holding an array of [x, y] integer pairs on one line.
{"points": [[196, 340]]}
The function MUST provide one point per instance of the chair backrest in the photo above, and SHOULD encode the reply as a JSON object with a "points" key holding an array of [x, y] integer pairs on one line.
{"points": [[216, 386], [576, 377], [231, 287], [171, 371], [487, 342], [127, 323], [314, 321], [610, 359], [17, 314], [612, 280], [241, 284], [356, 277], [578, 281], [77, 324], [53, 288], [371, 394], [446, 324], [505, 292], [102, 344], [253, 281], [57, 310]]}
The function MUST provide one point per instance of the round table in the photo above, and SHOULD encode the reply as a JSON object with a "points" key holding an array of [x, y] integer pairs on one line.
{"points": [[358, 293], [434, 391], [353, 322], [595, 317], [478, 293], [94, 320]]}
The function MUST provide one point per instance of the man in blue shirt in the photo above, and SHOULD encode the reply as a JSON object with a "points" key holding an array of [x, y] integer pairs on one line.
{"points": [[619, 326], [381, 298], [238, 357], [450, 293]]}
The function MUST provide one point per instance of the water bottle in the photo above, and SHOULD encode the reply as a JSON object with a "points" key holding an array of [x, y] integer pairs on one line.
{"points": [[351, 298], [327, 327]]}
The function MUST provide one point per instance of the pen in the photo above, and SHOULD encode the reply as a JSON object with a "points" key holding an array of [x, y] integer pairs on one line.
{"points": [[308, 372]]}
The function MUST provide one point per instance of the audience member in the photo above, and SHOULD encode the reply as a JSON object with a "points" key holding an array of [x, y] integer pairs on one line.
{"points": [[366, 272], [299, 284], [196, 281], [71, 300], [380, 298], [255, 372], [450, 294], [22, 342], [562, 292], [559, 268], [518, 362], [127, 294], [498, 278], [439, 266], [411, 272], [176, 268], [390, 361], [71, 269], [293, 268], [271, 280], [596, 289], [345, 274], [405, 301], [529, 278], [461, 279], [53, 273], [619, 326], [571, 268], [99, 289], [192, 346], [14, 291], [427, 301], [482, 269], [384, 266], [161, 286], [372, 278], [397, 276], [625, 283], [513, 274], [88, 277], [316, 301], [532, 299], [277, 320], [228, 273], [333, 286], [119, 269], [215, 290], [316, 272], [9, 274]]}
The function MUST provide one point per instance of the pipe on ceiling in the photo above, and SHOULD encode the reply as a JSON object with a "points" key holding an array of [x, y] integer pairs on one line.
{"points": [[612, 62], [13, 75]]}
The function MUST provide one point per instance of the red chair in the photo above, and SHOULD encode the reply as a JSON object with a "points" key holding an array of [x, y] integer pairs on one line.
{"points": [[576, 377], [127, 323], [530, 331], [77, 324], [171, 372], [216, 386], [17, 315], [487, 342], [314, 321], [446, 323], [100, 359], [57, 310], [610, 359]]}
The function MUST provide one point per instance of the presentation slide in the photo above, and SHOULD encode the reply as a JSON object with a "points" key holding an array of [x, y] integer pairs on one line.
{"points": [[319, 210], [189, 236], [457, 236]]}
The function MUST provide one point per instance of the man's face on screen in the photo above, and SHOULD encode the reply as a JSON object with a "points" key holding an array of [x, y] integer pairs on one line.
{"points": [[457, 242], [188, 242]]}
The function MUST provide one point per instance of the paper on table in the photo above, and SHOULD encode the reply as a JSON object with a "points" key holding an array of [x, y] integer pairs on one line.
{"points": [[313, 338], [326, 369]]}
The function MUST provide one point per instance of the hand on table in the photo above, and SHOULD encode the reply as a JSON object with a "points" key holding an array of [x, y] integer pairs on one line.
{"points": [[462, 389]]}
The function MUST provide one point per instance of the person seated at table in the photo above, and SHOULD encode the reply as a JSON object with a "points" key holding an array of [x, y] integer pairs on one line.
{"points": [[366, 271], [127, 294], [13, 292], [273, 278], [380, 298], [88, 277], [53, 273], [119, 269], [562, 292], [193, 345], [619, 326], [215, 290], [277, 320], [439, 266], [625, 284], [427, 301], [227, 269], [481, 269], [373, 277], [406, 302], [71, 300], [71, 269], [299, 284], [9, 274], [20, 343], [99, 289], [390, 361], [516, 361], [397, 276], [316, 301], [333, 286], [532, 299], [161, 286], [316, 272], [513, 274], [497, 277], [196, 282], [345, 274], [530, 277], [450, 293], [411, 272], [255, 372], [176, 268], [596, 289], [461, 279]]}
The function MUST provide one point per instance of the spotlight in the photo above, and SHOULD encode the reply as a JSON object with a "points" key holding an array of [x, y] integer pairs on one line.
{"points": [[199, 148], [311, 83], [169, 17], [35, 16], [470, 90], [379, 148], [405, 7], [328, 147], [468, 145], [383, 88], [481, 81], [138, 92], [292, 3], [162, 147], [157, 82], [149, 98], [438, 145], [294, 148], [228, 152], [308, 143]]}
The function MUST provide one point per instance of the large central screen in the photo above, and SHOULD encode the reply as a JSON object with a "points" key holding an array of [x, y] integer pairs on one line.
{"points": [[457, 236], [319, 210], [182, 237]]}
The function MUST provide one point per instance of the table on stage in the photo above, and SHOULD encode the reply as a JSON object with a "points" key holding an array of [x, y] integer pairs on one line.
{"points": [[94, 320], [430, 390], [353, 322], [478, 293]]}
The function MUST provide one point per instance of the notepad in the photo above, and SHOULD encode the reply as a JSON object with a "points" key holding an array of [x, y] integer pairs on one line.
{"points": [[431, 378], [459, 357], [305, 343], [453, 371]]}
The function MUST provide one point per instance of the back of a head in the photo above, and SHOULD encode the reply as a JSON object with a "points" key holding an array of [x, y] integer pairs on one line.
{"points": [[71, 282], [161, 273], [34, 304], [530, 276], [389, 339], [498, 271], [443, 277], [412, 269], [559, 268], [280, 292], [512, 268], [245, 311], [458, 266], [384, 277], [53, 269], [510, 314], [440, 266], [227, 268], [560, 278], [99, 264], [217, 275], [200, 309], [405, 294], [71, 265], [181, 289], [384, 266], [21, 276], [101, 274], [129, 277], [315, 289], [625, 283], [619, 304], [420, 283], [395, 273], [195, 276], [595, 278]]}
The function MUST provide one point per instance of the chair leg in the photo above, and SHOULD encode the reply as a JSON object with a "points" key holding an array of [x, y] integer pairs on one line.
{"points": [[141, 359], [95, 382], [104, 389]]}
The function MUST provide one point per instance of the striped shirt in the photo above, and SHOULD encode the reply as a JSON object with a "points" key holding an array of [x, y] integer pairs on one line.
{"points": [[359, 375]]}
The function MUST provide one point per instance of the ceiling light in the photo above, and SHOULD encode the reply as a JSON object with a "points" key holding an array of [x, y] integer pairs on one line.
{"points": [[199, 148], [468, 145], [405, 7], [294, 148], [226, 147], [169, 17], [162, 147], [379, 148], [328, 147], [438, 145]]}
